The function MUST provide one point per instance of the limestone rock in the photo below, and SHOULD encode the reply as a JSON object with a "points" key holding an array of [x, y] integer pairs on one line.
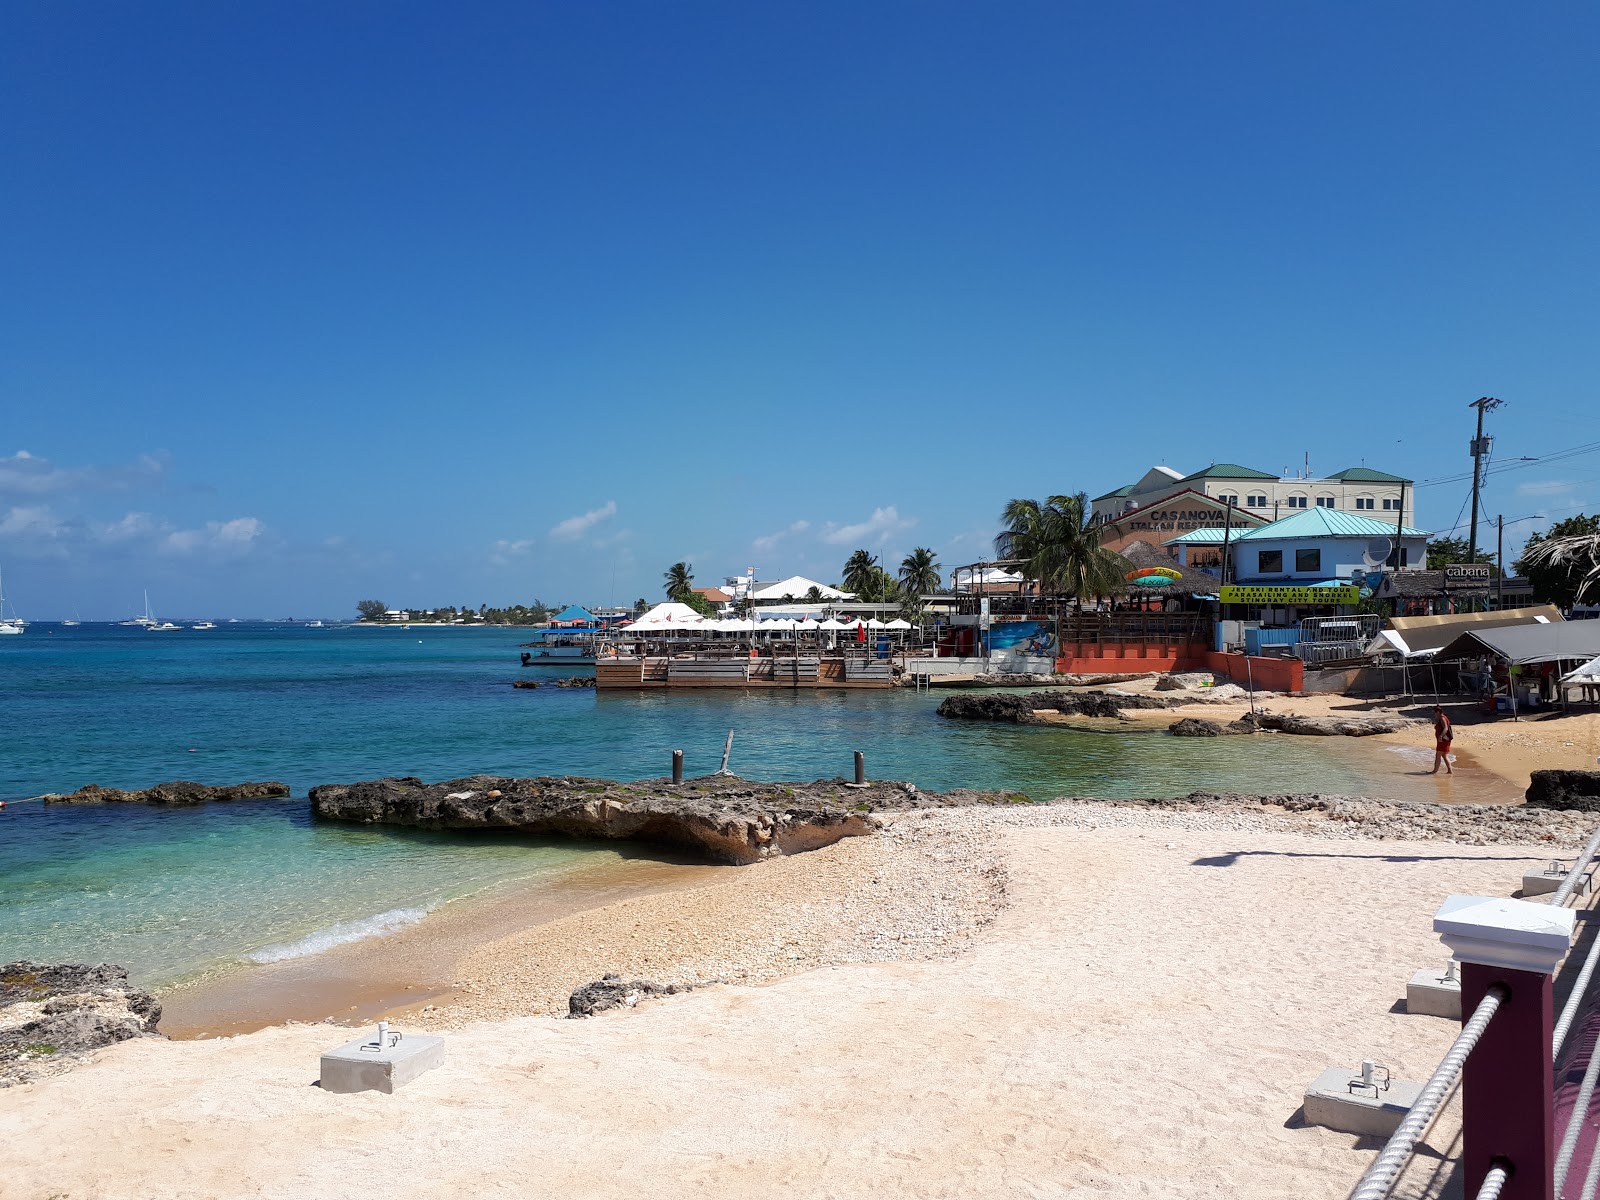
{"points": [[611, 991], [1333, 726], [1185, 681], [1020, 709], [178, 793], [51, 1016], [1197, 727], [721, 818], [1577, 791]]}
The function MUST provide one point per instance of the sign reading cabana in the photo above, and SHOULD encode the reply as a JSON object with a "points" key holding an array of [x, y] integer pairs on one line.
{"points": [[1234, 593]]}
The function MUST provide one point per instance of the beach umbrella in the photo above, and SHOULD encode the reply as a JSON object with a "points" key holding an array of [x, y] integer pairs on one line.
{"points": [[832, 625], [898, 623]]}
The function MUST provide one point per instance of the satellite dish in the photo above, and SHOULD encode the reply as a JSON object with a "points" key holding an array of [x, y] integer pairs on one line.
{"points": [[1377, 552]]}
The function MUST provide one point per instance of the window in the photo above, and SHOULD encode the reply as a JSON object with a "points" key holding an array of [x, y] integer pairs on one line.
{"points": [[1364, 502], [1255, 501], [1324, 501], [1297, 501], [1231, 501], [1399, 558], [1269, 562], [1391, 504], [1308, 560]]}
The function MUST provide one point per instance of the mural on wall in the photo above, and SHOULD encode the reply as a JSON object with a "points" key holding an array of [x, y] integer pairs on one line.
{"points": [[1023, 637]]}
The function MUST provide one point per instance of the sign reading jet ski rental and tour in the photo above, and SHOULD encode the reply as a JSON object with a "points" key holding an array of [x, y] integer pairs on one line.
{"points": [[1234, 593]]}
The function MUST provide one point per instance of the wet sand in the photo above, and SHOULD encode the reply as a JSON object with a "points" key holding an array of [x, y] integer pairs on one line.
{"points": [[404, 971]]}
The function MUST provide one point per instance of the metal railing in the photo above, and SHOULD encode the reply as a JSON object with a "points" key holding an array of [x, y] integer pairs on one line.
{"points": [[1384, 1172]]}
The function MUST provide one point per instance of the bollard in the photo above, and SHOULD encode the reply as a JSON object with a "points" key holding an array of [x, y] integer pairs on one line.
{"points": [[677, 766], [861, 769]]}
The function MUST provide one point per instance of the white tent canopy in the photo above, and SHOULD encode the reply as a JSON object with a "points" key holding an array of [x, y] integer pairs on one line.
{"points": [[1588, 673], [666, 617], [898, 623], [830, 623], [795, 587], [967, 577]]}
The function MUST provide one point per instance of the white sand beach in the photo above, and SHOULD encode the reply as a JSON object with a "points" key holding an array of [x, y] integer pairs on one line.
{"points": [[1116, 1002]]}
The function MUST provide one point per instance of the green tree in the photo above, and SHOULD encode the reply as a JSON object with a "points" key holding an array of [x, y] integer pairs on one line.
{"points": [[679, 578], [1058, 546], [371, 610], [813, 595], [1452, 551], [1563, 563], [641, 606], [858, 574], [919, 572]]}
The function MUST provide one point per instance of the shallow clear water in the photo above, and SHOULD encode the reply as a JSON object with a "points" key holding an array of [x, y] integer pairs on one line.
{"points": [[170, 892]]}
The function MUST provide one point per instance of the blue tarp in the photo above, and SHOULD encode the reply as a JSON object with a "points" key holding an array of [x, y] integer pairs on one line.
{"points": [[575, 613]]}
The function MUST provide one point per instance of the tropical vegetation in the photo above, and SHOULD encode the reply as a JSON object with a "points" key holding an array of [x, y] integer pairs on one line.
{"points": [[1452, 551], [1563, 563], [679, 579], [1055, 543]]}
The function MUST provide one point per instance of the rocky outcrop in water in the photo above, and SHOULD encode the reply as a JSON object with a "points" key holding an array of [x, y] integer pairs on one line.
{"points": [[721, 818], [177, 793], [1575, 791], [1014, 709], [1333, 726], [51, 1017], [612, 991]]}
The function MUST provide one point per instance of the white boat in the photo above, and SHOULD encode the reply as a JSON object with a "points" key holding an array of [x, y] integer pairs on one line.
{"points": [[204, 625], [147, 620], [313, 624], [162, 627], [12, 624]]}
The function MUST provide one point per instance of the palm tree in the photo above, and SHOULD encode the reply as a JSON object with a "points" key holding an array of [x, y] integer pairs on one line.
{"points": [[858, 573], [1059, 547], [680, 579], [919, 572]]}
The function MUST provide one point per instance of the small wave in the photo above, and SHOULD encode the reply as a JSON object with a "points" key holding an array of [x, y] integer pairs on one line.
{"points": [[342, 934]]}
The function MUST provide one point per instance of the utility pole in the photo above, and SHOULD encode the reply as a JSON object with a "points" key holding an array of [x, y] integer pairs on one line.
{"points": [[1480, 447], [1500, 562]]}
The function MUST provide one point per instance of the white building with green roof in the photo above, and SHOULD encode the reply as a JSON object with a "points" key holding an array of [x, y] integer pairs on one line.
{"points": [[1358, 490]]}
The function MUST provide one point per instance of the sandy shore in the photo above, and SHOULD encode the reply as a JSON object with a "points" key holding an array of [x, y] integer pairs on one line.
{"points": [[1509, 749], [1073, 1000]]}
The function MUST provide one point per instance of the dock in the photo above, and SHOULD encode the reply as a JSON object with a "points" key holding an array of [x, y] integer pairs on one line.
{"points": [[743, 671]]}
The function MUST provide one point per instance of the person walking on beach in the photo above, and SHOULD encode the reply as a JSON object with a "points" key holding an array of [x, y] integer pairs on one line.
{"points": [[1443, 735]]}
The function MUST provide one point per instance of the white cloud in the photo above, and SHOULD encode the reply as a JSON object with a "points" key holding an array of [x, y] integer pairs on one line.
{"points": [[24, 474], [877, 529], [769, 542], [224, 538], [31, 522], [506, 549], [573, 528], [1545, 487]]}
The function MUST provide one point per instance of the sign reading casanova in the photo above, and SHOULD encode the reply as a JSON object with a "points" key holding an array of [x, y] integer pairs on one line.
{"points": [[1240, 594], [1175, 519]]}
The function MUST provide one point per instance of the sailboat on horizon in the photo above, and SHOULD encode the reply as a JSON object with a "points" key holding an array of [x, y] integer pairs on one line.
{"points": [[13, 624]]}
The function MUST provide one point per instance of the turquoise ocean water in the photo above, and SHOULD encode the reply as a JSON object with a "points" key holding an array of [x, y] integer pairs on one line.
{"points": [[168, 893]]}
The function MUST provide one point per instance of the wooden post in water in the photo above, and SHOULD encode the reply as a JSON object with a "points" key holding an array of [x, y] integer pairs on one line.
{"points": [[727, 748]]}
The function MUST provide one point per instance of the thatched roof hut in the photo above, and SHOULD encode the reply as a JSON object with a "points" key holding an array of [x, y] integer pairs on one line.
{"points": [[1190, 581]]}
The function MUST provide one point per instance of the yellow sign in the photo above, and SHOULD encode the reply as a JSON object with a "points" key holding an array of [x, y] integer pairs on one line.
{"points": [[1345, 594]]}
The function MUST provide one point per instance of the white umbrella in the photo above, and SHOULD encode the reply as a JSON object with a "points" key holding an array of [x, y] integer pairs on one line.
{"points": [[807, 624], [898, 623], [830, 623], [876, 624]]}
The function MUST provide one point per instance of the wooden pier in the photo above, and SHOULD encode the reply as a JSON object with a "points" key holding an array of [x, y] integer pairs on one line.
{"points": [[696, 671]]}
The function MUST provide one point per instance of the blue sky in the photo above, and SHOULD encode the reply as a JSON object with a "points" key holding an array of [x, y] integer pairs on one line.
{"points": [[306, 303]]}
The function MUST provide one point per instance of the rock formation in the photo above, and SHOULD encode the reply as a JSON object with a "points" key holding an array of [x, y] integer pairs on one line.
{"points": [[721, 818], [1020, 709], [52, 1016], [178, 792], [1578, 791], [611, 991]]}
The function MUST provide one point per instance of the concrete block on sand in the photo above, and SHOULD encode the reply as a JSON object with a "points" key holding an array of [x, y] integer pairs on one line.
{"points": [[1433, 993], [1538, 883], [365, 1066], [1337, 1100]]}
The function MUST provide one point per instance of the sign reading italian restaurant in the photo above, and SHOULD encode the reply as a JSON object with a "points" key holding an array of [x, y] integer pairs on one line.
{"points": [[1242, 594]]}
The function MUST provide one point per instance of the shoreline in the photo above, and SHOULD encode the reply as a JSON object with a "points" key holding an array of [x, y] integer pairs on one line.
{"points": [[966, 979]]}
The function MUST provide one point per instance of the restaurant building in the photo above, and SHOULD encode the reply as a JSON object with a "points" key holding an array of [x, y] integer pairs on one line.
{"points": [[1257, 494]]}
